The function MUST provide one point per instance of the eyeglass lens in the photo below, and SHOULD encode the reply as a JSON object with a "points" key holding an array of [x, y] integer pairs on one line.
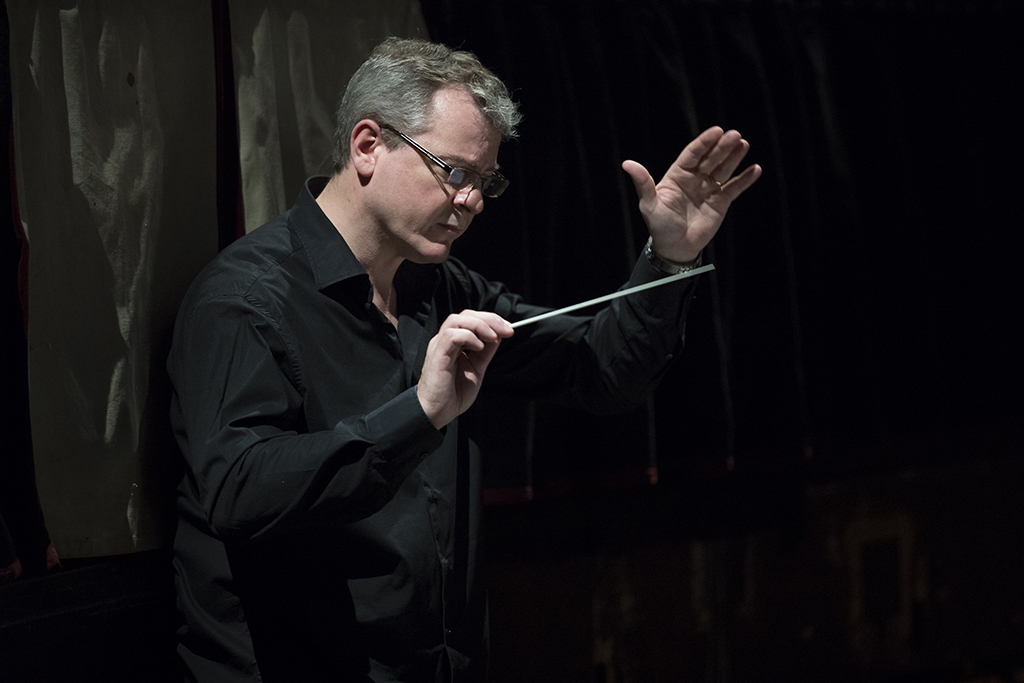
{"points": [[491, 186]]}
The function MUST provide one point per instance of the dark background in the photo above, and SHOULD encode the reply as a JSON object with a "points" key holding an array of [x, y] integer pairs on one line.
{"points": [[838, 451], [836, 455], [866, 292]]}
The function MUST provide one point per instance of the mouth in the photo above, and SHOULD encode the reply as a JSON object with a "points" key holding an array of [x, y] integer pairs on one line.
{"points": [[455, 230]]}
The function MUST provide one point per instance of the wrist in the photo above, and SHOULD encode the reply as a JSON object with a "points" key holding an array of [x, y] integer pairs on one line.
{"points": [[668, 266], [434, 410]]}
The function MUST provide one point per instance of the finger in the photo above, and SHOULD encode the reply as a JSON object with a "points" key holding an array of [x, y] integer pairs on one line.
{"points": [[488, 326], [642, 181], [722, 150], [481, 359], [694, 152], [501, 327], [458, 340], [470, 332], [738, 185], [724, 170], [489, 318], [470, 366]]}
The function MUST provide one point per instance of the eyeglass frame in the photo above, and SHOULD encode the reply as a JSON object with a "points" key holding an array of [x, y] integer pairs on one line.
{"points": [[456, 174]]}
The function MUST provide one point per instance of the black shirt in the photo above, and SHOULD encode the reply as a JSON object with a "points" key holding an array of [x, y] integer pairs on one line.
{"points": [[326, 528]]}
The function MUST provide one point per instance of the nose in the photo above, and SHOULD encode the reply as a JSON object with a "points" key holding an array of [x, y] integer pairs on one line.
{"points": [[471, 198]]}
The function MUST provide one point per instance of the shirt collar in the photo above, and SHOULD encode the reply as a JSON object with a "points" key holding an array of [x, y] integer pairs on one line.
{"points": [[332, 260], [330, 257]]}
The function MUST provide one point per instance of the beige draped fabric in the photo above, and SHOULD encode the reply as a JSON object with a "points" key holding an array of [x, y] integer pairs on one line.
{"points": [[114, 114], [291, 62], [115, 142]]}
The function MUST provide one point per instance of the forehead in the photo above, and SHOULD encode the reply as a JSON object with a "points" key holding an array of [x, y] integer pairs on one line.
{"points": [[459, 133]]}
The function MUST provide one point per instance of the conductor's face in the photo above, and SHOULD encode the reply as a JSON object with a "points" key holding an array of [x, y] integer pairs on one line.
{"points": [[424, 207]]}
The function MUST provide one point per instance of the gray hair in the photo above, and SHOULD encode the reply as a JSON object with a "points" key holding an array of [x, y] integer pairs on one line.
{"points": [[396, 85]]}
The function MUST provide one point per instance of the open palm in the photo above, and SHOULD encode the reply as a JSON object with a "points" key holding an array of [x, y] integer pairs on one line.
{"points": [[684, 211]]}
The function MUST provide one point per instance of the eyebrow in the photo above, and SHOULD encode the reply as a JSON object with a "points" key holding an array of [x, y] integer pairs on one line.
{"points": [[456, 160]]}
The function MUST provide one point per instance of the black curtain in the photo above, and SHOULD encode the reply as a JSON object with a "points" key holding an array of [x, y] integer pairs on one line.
{"points": [[865, 308], [23, 532]]}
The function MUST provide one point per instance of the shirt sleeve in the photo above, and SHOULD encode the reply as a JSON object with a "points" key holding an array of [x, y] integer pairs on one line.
{"points": [[237, 416], [604, 363]]}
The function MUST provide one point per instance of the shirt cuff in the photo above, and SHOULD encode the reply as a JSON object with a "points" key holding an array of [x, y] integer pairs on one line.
{"points": [[401, 429], [667, 302]]}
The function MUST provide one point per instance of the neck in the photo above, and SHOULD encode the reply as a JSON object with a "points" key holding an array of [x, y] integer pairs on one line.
{"points": [[369, 244]]}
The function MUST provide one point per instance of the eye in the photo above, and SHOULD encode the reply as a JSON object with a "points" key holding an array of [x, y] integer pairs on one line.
{"points": [[461, 177], [457, 176], [493, 185]]}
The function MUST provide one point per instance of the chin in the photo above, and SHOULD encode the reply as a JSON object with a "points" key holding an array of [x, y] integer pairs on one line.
{"points": [[431, 247], [437, 253]]}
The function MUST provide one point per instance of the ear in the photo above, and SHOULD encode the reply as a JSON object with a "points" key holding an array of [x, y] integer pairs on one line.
{"points": [[365, 146]]}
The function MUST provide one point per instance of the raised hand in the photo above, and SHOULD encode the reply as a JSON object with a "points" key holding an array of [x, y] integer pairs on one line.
{"points": [[456, 360], [684, 211]]}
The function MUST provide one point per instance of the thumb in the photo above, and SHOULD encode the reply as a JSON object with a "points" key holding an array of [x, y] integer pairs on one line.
{"points": [[479, 360], [642, 181]]}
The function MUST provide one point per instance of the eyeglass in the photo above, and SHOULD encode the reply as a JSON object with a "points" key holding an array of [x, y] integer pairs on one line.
{"points": [[489, 185]]}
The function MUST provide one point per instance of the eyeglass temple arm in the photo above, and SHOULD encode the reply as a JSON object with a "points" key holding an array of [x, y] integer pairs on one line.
{"points": [[425, 152], [418, 147]]}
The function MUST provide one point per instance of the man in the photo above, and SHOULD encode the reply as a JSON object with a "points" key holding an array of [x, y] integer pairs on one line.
{"points": [[331, 504]]}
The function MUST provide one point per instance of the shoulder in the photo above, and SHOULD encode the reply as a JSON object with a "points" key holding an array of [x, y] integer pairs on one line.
{"points": [[469, 289], [455, 274], [236, 300], [246, 273]]}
